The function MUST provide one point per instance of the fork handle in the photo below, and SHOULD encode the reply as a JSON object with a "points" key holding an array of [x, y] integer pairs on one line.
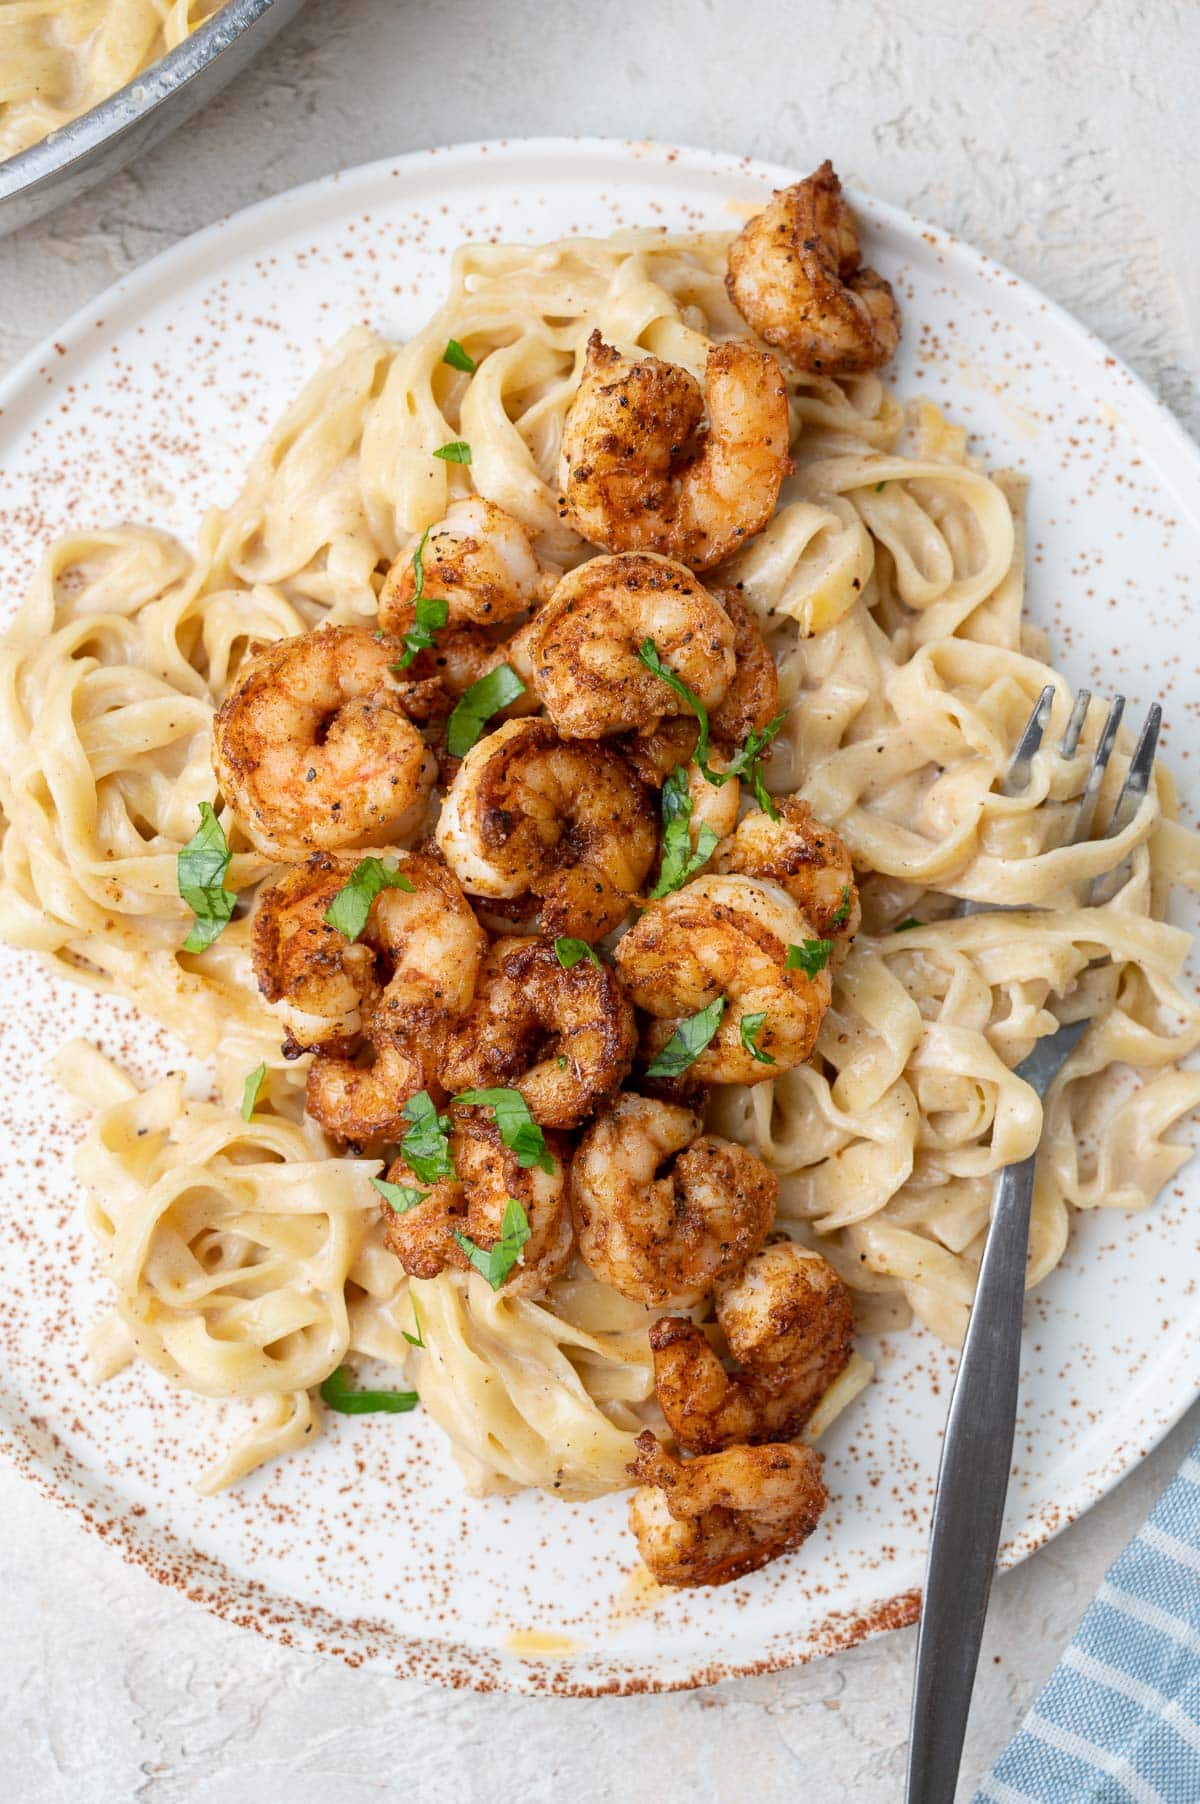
{"points": [[968, 1507]]}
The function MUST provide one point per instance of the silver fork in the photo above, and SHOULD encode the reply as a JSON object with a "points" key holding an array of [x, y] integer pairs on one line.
{"points": [[968, 1506]]}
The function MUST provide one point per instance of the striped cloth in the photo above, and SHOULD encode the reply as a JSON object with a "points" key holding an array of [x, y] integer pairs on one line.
{"points": [[1119, 1719]]}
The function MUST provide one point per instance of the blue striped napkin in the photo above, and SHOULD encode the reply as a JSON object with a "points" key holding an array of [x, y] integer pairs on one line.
{"points": [[1119, 1719]]}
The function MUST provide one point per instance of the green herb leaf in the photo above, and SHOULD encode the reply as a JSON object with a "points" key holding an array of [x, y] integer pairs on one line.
{"points": [[562, 1061], [518, 1130], [200, 873], [746, 762], [688, 1041], [457, 358], [679, 861], [483, 699], [496, 1262], [880, 485], [456, 452], [811, 957], [350, 907], [426, 1145], [417, 1339], [338, 1394], [568, 952], [648, 653], [430, 613], [251, 1088], [400, 1198], [907, 926], [843, 908], [749, 1027]]}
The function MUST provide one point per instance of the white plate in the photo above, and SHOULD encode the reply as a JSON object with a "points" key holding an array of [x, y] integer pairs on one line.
{"points": [[148, 405]]}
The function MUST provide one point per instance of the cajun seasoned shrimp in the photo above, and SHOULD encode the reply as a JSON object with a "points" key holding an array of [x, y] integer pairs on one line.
{"points": [[641, 471], [672, 743], [313, 748], [706, 1521], [319, 979], [804, 857], [473, 1202], [727, 936], [529, 814], [587, 637], [427, 948], [796, 276], [478, 560], [564, 1039], [663, 1211], [789, 1324]]}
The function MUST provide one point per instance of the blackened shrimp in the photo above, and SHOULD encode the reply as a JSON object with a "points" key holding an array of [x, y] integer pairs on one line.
{"points": [[426, 947], [729, 937], [564, 1038], [318, 979], [478, 560], [641, 470], [706, 1521], [663, 1211], [587, 640], [568, 825], [313, 748], [788, 1323], [804, 857], [796, 276], [473, 1202]]}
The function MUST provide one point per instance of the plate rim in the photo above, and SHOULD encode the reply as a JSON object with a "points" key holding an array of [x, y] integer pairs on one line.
{"points": [[290, 1622]]}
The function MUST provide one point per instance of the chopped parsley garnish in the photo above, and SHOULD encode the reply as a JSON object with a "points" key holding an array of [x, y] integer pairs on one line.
{"points": [[338, 1394], [400, 1198], [810, 957], [518, 1130], [688, 1041], [426, 1145], [648, 653], [749, 1027], [430, 613], [350, 907], [746, 761], [483, 699], [880, 485], [417, 1339], [200, 873], [679, 860], [568, 952], [456, 452], [907, 926], [251, 1088], [496, 1262], [843, 908], [457, 358]]}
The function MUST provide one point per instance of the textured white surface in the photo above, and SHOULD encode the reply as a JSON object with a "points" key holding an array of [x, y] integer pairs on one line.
{"points": [[1049, 134]]}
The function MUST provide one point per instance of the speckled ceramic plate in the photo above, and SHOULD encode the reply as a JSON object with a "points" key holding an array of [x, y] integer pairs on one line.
{"points": [[149, 404]]}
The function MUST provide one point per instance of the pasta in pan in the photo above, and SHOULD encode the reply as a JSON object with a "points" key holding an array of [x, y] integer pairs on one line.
{"points": [[59, 58], [246, 1256]]}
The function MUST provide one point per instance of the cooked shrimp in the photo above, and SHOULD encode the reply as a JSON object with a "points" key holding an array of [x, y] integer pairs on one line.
{"points": [[804, 857], [529, 814], [478, 560], [427, 948], [789, 1324], [319, 978], [564, 1039], [706, 1521], [796, 276], [473, 1203], [641, 472], [662, 1210], [587, 637], [314, 749], [726, 936]]}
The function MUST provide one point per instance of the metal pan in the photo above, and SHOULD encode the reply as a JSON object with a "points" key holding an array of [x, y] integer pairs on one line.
{"points": [[98, 143]]}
